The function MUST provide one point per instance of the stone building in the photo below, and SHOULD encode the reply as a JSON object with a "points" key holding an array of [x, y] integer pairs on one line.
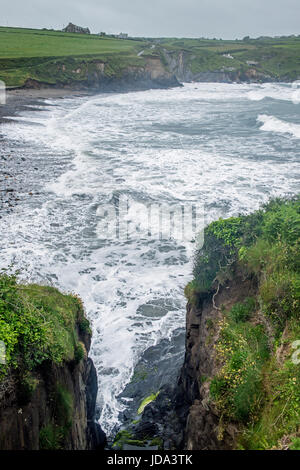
{"points": [[72, 28]]}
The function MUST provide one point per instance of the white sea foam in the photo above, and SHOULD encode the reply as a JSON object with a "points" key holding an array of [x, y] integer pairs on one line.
{"points": [[282, 92], [273, 124]]}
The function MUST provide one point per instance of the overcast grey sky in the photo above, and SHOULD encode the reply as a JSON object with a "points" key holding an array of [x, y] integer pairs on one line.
{"points": [[180, 18]]}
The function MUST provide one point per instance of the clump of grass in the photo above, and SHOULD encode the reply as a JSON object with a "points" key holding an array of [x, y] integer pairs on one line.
{"points": [[79, 352], [51, 437], [37, 324], [125, 437], [192, 291], [242, 312], [242, 350], [295, 444], [280, 414]]}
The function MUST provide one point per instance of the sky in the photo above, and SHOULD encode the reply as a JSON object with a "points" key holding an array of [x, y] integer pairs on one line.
{"points": [[227, 19]]}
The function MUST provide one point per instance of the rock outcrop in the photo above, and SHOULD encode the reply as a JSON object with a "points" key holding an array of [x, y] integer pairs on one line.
{"points": [[183, 416], [98, 75], [56, 410], [179, 64], [203, 428], [239, 385]]}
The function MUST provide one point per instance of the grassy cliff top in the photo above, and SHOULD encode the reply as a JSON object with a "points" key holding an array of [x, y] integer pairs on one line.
{"points": [[256, 386], [38, 323], [21, 43], [39, 54], [54, 57]]}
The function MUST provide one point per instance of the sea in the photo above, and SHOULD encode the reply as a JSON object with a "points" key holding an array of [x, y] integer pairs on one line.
{"points": [[111, 181]]}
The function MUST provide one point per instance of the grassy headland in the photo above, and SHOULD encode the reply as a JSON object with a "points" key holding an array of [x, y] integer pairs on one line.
{"points": [[55, 57], [44, 342], [277, 58], [257, 384], [38, 324]]}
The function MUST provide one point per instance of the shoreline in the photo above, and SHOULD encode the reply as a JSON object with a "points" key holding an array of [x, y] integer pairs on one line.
{"points": [[14, 167], [18, 100]]}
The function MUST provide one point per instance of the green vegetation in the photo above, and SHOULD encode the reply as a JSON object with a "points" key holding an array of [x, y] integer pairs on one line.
{"points": [[125, 437], [37, 324], [63, 406], [242, 350], [258, 384], [277, 58], [41, 326], [157, 441], [54, 57], [146, 402], [52, 436], [21, 43]]}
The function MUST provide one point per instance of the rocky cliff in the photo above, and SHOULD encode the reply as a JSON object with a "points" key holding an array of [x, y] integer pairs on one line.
{"points": [[204, 428], [98, 75], [239, 384], [60, 414], [47, 389], [187, 68]]}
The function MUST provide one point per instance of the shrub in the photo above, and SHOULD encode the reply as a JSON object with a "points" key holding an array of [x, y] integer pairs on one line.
{"points": [[241, 312], [84, 326], [51, 437], [295, 445], [78, 353], [280, 294], [242, 350]]}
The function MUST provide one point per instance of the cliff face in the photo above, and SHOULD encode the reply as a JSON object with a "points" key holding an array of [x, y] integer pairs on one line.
{"points": [[181, 65], [239, 384], [204, 429], [240, 377], [48, 385], [58, 414], [105, 76]]}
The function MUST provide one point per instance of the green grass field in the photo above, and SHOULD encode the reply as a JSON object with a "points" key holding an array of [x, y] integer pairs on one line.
{"points": [[54, 56], [21, 43]]}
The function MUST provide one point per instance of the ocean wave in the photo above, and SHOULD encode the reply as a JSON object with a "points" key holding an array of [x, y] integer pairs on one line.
{"points": [[273, 124], [276, 92]]}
